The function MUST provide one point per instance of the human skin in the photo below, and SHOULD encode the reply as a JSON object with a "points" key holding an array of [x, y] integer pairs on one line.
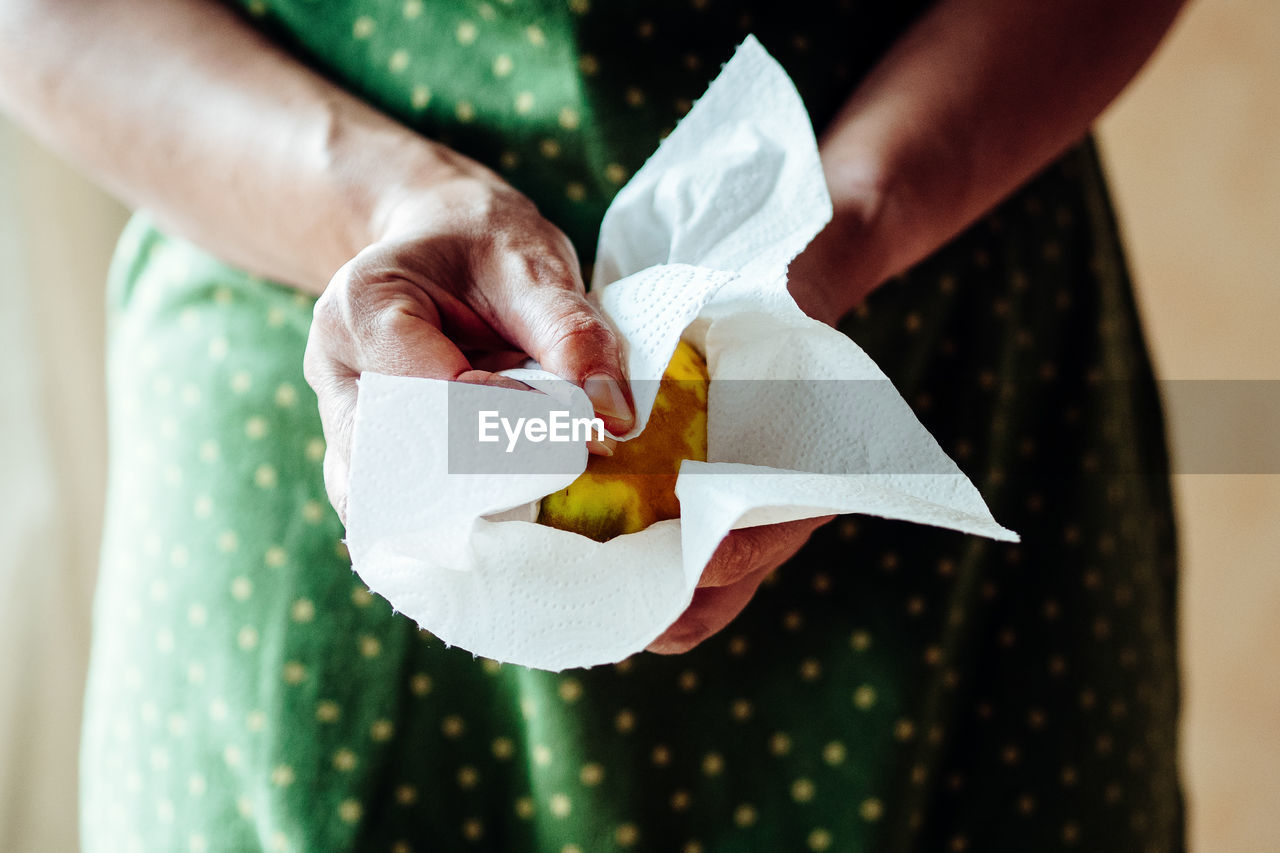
{"points": [[428, 264]]}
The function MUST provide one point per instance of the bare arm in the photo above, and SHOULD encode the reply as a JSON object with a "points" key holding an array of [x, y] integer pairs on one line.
{"points": [[188, 111], [181, 107], [975, 99]]}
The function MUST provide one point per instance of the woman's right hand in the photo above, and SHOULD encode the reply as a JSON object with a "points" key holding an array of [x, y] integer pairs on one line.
{"points": [[465, 279]]}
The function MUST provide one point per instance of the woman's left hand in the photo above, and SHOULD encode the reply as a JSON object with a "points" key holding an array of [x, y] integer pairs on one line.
{"points": [[741, 563], [747, 556]]}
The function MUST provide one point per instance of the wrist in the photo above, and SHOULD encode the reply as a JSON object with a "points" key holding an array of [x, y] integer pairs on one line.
{"points": [[419, 179], [373, 166]]}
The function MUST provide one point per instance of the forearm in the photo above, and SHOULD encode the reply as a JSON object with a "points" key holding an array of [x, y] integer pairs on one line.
{"points": [[181, 107], [976, 98]]}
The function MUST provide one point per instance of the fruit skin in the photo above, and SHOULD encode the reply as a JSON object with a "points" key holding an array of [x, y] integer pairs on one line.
{"points": [[636, 487]]}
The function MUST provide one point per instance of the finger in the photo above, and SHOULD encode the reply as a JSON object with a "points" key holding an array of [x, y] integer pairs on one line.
{"points": [[541, 307], [754, 558], [747, 550], [363, 324], [355, 330], [493, 380], [402, 337], [576, 343], [712, 608], [335, 387]]}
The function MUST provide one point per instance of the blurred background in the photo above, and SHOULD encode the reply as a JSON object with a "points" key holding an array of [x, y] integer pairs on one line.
{"points": [[1194, 154]]}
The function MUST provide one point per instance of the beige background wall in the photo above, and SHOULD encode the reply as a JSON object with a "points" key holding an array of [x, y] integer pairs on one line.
{"points": [[55, 235], [1194, 149]]}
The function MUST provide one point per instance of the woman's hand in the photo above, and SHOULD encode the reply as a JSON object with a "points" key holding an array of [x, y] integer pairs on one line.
{"points": [[466, 279], [738, 567]]}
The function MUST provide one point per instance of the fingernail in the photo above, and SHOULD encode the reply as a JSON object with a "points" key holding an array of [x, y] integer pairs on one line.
{"points": [[603, 447], [607, 398]]}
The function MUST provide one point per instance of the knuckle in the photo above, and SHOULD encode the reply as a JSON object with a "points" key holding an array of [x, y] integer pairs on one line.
{"points": [[332, 320], [313, 366], [577, 324], [319, 364], [581, 331], [327, 316]]}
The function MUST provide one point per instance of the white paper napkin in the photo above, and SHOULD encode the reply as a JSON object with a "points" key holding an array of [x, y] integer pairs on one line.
{"points": [[697, 244]]}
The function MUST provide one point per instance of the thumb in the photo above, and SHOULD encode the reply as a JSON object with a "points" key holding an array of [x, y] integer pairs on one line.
{"points": [[550, 318], [580, 346]]}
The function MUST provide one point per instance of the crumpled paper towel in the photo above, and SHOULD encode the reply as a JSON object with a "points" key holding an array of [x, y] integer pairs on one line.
{"points": [[697, 244]]}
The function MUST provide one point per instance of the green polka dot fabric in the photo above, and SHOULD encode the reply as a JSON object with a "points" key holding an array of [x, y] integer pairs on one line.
{"points": [[892, 688]]}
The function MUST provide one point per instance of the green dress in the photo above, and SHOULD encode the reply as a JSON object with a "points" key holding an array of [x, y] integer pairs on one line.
{"points": [[892, 688]]}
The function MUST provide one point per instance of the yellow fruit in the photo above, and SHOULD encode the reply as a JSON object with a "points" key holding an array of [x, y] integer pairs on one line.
{"points": [[636, 487]]}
